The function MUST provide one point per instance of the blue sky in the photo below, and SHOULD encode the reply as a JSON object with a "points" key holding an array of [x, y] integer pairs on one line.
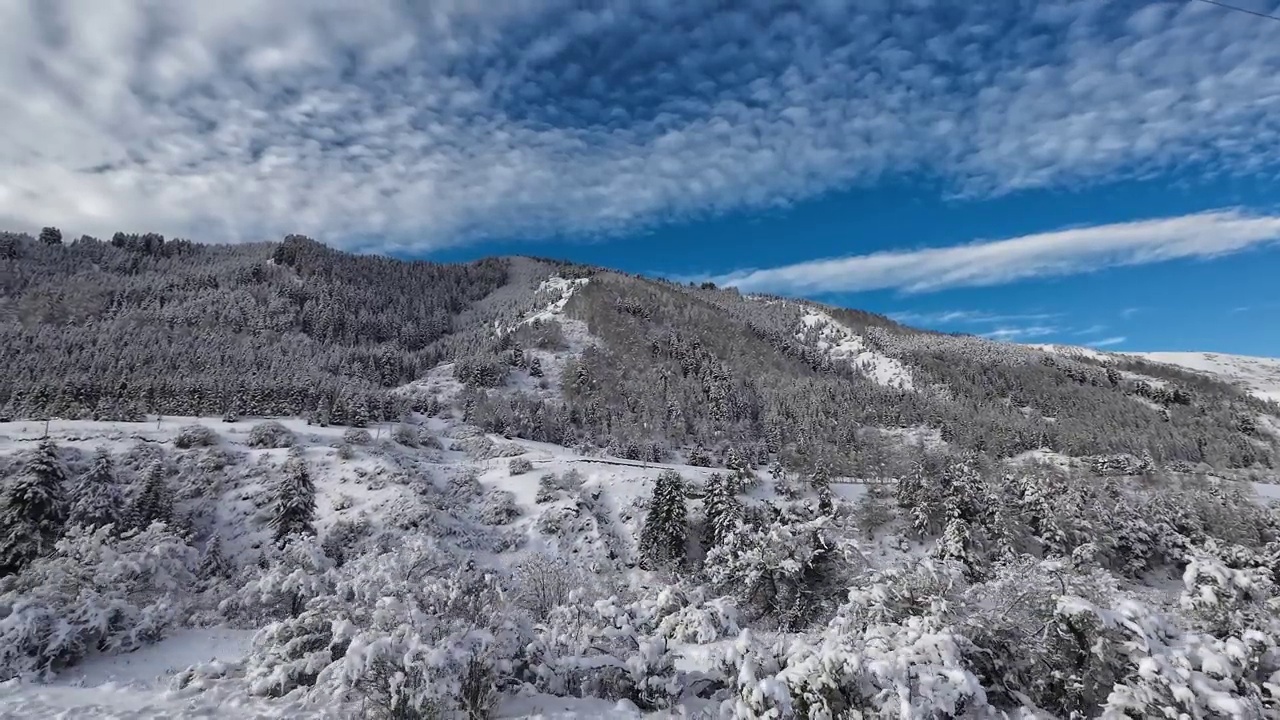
{"points": [[1082, 171]]}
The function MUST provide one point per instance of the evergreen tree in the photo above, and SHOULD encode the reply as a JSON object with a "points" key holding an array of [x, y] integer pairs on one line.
{"points": [[723, 509], [821, 482], [51, 236], [213, 564], [155, 502], [99, 500], [662, 539], [295, 500], [33, 509]]}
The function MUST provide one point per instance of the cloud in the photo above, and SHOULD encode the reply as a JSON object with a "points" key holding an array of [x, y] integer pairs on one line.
{"points": [[390, 125], [1091, 330], [995, 262], [1108, 342], [953, 317], [1019, 334], [1129, 312]]}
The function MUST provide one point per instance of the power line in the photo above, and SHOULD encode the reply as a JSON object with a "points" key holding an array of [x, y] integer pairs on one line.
{"points": [[1240, 9]]}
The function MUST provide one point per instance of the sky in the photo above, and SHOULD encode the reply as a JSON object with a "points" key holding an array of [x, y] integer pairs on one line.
{"points": [[1092, 172]]}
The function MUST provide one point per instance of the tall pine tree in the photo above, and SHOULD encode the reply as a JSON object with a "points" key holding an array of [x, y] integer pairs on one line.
{"points": [[155, 502], [98, 497], [295, 500], [33, 509], [662, 539], [722, 508]]}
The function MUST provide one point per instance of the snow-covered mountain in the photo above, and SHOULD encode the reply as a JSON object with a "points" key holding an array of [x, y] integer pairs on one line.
{"points": [[291, 482]]}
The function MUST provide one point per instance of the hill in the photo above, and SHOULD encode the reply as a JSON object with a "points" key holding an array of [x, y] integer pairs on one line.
{"points": [[295, 482]]}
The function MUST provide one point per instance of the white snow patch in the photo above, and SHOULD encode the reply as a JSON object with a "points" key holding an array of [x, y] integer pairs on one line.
{"points": [[840, 342], [152, 664], [1257, 375], [558, 291]]}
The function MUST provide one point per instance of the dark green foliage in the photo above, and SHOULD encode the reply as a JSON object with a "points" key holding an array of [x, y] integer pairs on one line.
{"points": [[154, 502], [99, 500], [665, 531], [33, 509], [214, 565], [294, 494], [722, 508], [139, 325]]}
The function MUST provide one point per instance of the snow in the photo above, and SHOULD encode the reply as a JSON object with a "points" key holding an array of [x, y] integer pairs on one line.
{"points": [[1073, 351], [840, 342], [1258, 375], [559, 290], [155, 664]]}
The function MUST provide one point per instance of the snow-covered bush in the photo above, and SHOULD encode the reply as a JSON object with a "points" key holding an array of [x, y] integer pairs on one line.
{"points": [[498, 507], [193, 436], [542, 582], [270, 435], [356, 436], [702, 622], [96, 592], [405, 434], [789, 572], [607, 650], [520, 466], [294, 575]]}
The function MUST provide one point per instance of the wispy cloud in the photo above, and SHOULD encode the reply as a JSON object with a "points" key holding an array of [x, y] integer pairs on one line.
{"points": [[1019, 334], [1108, 342], [955, 317], [388, 124], [1091, 330], [994, 262], [1129, 312]]}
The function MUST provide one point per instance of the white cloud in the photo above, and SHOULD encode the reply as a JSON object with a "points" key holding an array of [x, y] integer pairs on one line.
{"points": [[953, 317], [993, 262], [1107, 342], [1019, 334], [385, 124]]}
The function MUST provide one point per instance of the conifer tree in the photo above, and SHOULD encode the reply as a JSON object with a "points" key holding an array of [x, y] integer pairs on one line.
{"points": [[99, 500], [662, 539], [33, 509], [155, 502], [214, 564], [821, 482], [723, 509], [295, 500]]}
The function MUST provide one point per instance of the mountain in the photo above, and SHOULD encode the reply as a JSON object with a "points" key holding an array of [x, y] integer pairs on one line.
{"points": [[304, 483], [647, 368]]}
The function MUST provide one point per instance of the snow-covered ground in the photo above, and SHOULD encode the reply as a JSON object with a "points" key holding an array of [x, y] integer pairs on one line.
{"points": [[841, 343], [1258, 375]]}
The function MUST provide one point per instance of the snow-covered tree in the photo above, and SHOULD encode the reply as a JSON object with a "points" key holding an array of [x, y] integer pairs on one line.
{"points": [[294, 497], [722, 508], [665, 531], [33, 509], [154, 502], [97, 591], [99, 499], [789, 572], [214, 565]]}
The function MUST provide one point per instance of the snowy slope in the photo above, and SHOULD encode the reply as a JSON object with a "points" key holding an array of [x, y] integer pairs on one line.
{"points": [[1258, 375], [841, 343]]}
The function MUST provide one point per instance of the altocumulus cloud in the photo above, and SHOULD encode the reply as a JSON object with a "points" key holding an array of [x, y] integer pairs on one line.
{"points": [[1063, 252], [389, 124]]}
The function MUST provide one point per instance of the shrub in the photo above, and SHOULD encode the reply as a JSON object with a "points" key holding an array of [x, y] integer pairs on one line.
{"points": [[356, 436], [270, 435], [520, 466], [498, 507], [192, 436], [406, 435]]}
